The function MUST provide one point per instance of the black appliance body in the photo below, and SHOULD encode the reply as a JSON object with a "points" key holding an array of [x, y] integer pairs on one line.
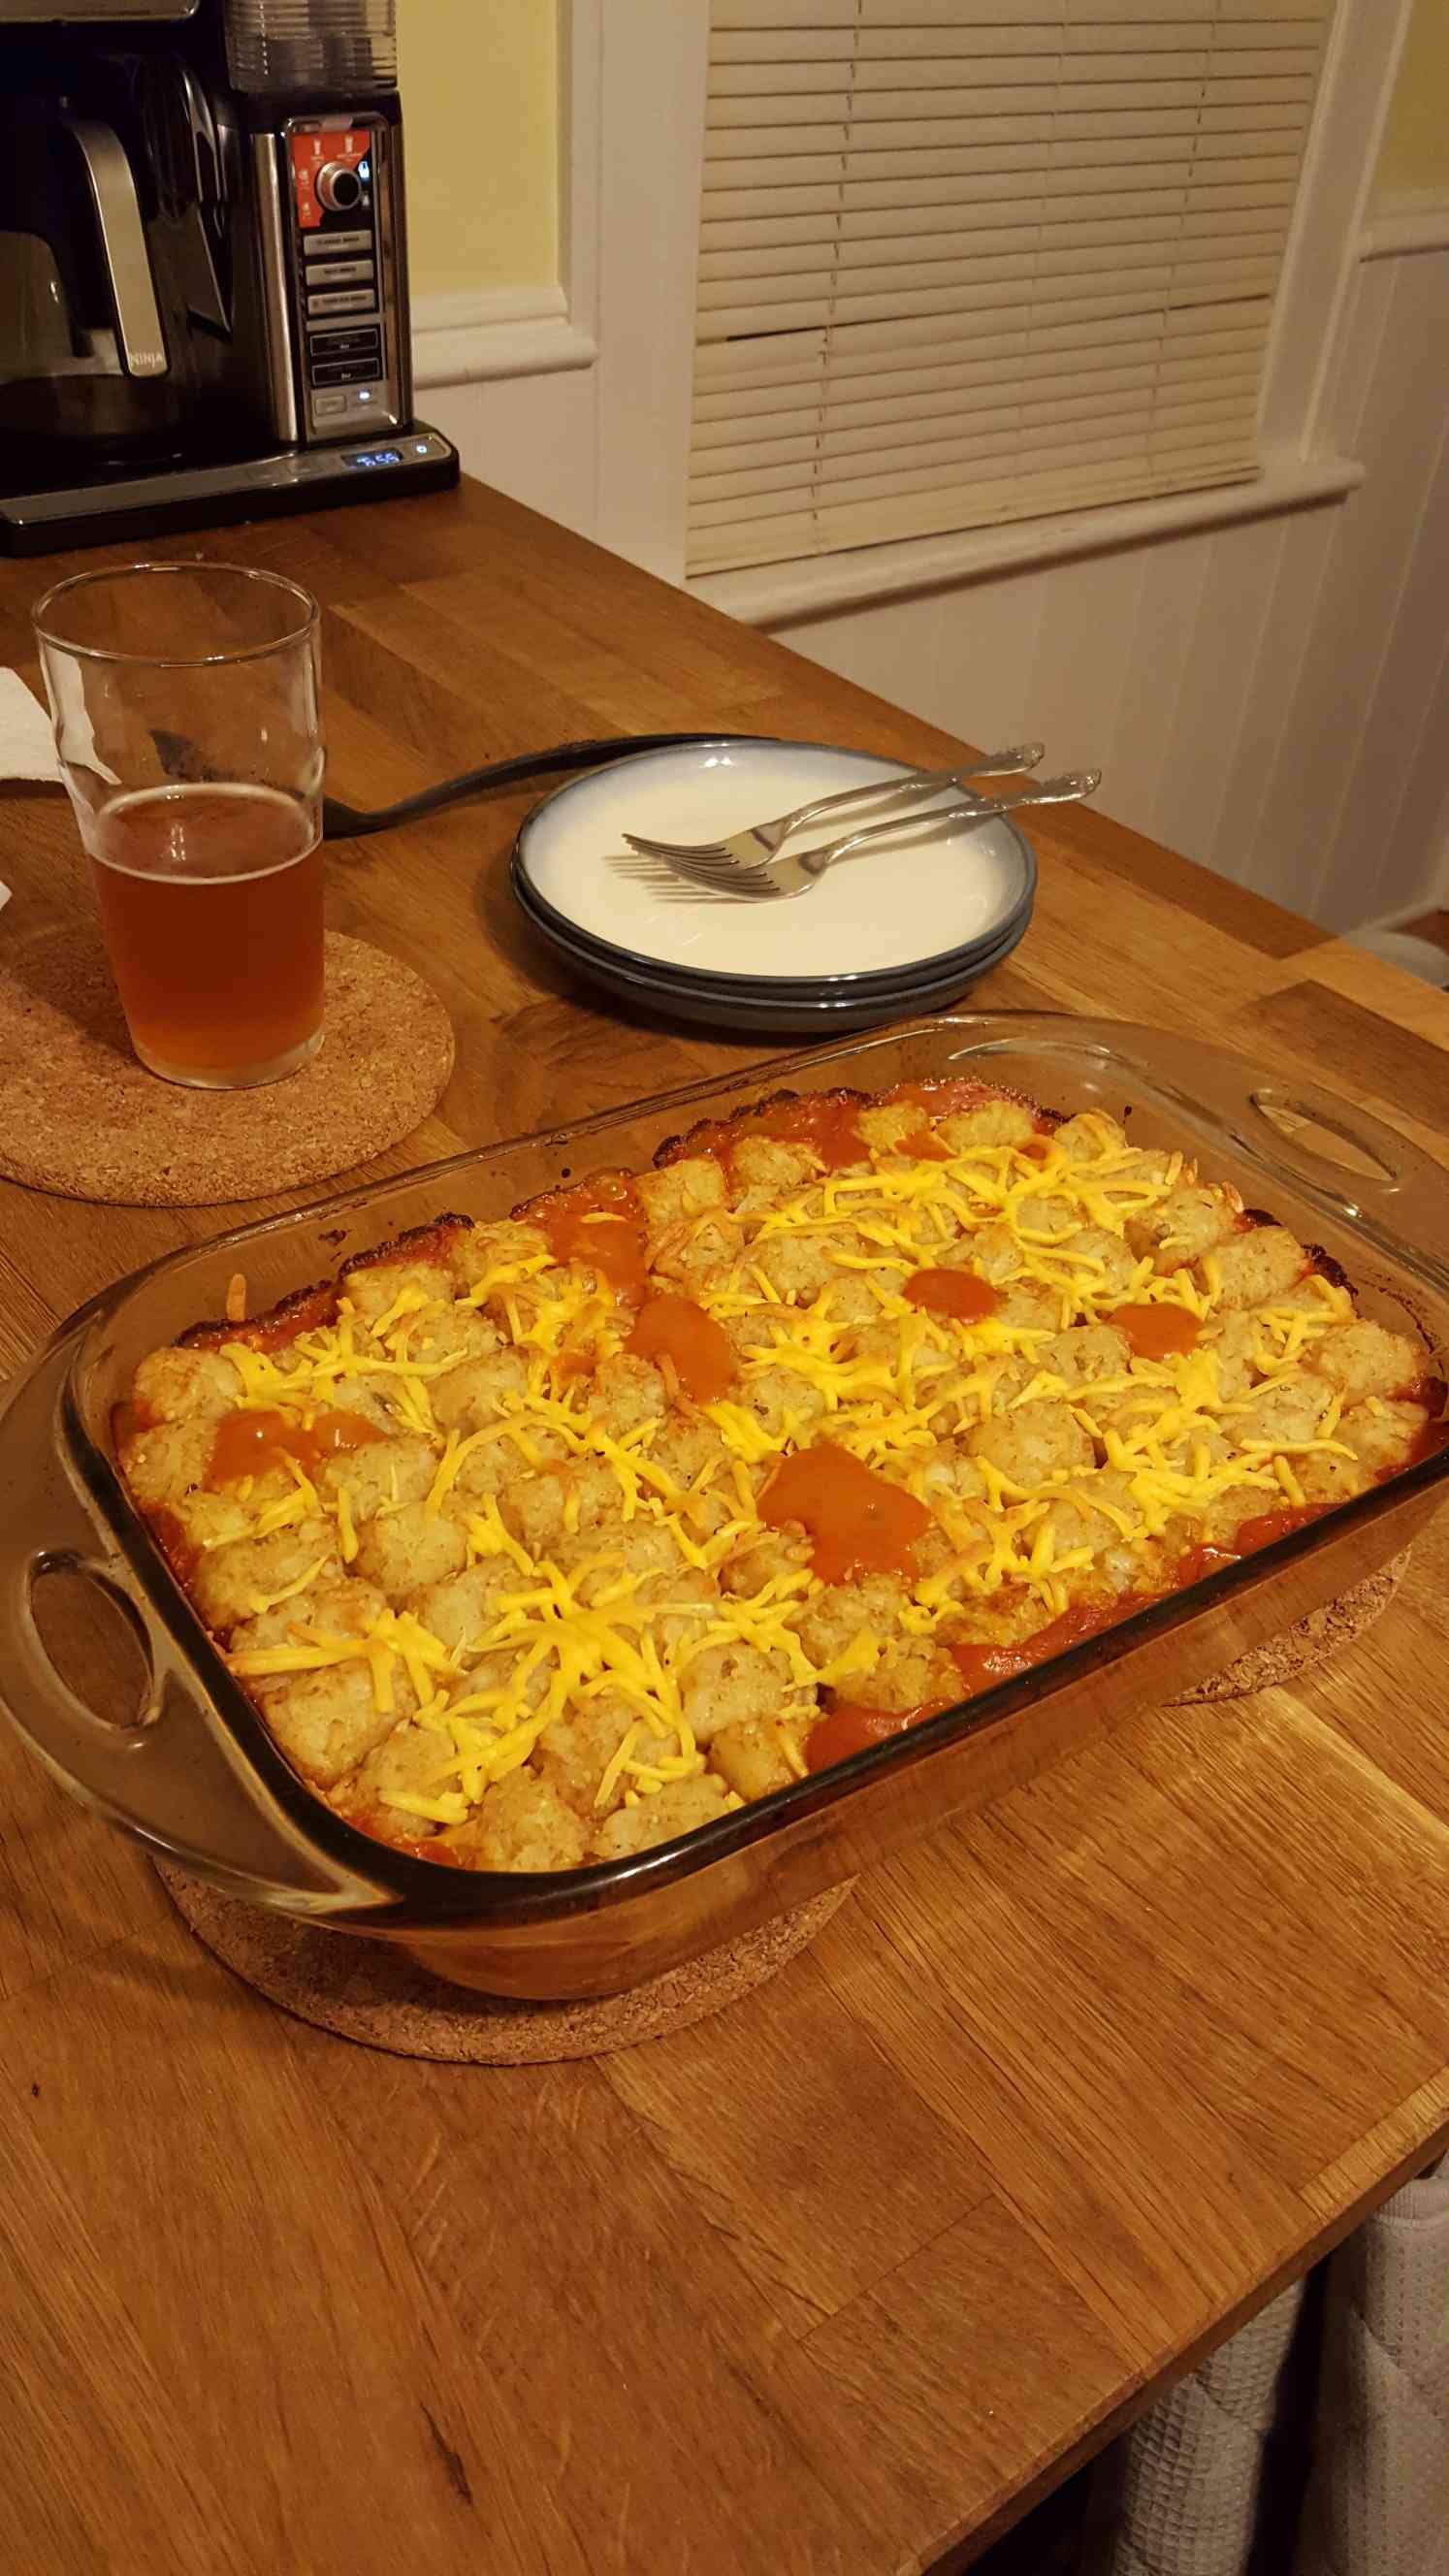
{"points": [[203, 268]]}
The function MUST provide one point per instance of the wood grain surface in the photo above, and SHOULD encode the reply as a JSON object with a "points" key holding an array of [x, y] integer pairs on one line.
{"points": [[834, 2285]]}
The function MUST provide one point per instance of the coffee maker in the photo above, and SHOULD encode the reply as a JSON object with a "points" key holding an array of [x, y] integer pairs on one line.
{"points": [[203, 267]]}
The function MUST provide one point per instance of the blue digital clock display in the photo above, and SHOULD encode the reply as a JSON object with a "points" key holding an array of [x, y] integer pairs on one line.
{"points": [[377, 456]]}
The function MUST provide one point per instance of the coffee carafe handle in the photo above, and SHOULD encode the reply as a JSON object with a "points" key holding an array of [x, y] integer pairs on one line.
{"points": [[140, 339]]}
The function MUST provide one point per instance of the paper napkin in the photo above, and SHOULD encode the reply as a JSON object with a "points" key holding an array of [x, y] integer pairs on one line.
{"points": [[27, 746]]}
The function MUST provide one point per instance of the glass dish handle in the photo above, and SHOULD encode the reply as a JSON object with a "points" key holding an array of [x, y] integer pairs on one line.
{"points": [[1355, 1159], [1339, 1153], [171, 1777], [1359, 1149]]}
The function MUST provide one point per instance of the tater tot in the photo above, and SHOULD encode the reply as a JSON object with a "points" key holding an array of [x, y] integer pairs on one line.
{"points": [[176, 1385], [1250, 1268], [522, 1823], [1190, 1221], [1090, 1136], [169, 1461], [1033, 1442], [726, 1683], [407, 1549], [767, 1170], [678, 1809], [375, 1289], [536, 1621], [329, 1721], [229, 1580], [751, 1755], [991, 1122], [1363, 1358]]}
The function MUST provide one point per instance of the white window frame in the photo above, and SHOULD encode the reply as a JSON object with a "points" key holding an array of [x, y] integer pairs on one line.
{"points": [[633, 138]]}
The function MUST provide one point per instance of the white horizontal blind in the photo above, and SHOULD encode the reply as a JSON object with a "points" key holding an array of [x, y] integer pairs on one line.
{"points": [[964, 261]]}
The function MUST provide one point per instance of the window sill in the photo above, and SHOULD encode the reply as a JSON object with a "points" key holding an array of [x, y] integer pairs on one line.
{"points": [[1407, 221], [479, 336], [781, 593]]}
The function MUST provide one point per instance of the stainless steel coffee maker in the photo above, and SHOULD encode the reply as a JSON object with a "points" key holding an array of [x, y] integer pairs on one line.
{"points": [[203, 266]]}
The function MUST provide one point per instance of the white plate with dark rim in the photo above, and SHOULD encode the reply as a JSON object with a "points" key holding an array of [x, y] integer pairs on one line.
{"points": [[777, 1006], [901, 918]]}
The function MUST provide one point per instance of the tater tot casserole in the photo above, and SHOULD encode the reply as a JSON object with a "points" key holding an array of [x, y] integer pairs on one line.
{"points": [[537, 1543]]}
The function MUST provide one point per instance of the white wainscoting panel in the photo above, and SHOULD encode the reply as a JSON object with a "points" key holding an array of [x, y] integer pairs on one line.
{"points": [[533, 437], [1394, 599]]}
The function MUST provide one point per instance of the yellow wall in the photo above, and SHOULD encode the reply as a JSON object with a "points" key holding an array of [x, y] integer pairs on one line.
{"points": [[1415, 156], [479, 84]]}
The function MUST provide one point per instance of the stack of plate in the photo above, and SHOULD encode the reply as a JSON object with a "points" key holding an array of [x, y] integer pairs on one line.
{"points": [[891, 930]]}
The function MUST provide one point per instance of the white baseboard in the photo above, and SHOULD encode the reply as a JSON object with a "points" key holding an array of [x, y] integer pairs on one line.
{"points": [[482, 333]]}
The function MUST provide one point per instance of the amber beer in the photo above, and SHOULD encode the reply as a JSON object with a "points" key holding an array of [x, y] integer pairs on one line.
{"points": [[211, 905], [185, 700]]}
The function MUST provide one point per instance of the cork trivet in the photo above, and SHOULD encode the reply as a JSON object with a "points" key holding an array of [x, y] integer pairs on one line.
{"points": [[1308, 1642], [83, 1118], [370, 1992]]}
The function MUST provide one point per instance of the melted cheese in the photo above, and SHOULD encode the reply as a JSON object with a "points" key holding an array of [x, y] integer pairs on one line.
{"points": [[583, 1619], [261, 1603]]}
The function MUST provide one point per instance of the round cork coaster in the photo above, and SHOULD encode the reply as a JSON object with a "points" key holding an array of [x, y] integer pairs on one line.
{"points": [[83, 1118], [1308, 1642], [371, 1992]]}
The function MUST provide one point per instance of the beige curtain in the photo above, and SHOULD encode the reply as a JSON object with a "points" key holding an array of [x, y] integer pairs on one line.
{"points": [[1316, 2440]]}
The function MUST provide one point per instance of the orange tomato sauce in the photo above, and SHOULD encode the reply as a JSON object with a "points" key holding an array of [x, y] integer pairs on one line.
{"points": [[829, 1123], [248, 1443], [1156, 1332], [599, 1222], [826, 1121], [925, 1147], [982, 1665], [676, 1329], [174, 1544], [570, 1362], [957, 1293], [859, 1522], [1200, 1562], [1265, 1527], [848, 1728]]}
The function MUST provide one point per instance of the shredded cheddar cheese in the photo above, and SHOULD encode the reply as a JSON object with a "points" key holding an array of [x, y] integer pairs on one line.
{"points": [[578, 1628]]}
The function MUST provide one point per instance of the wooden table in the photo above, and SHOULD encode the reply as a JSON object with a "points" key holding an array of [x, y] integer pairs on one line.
{"points": [[838, 2281]]}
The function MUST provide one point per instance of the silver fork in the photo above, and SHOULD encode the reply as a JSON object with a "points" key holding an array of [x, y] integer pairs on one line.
{"points": [[751, 848], [719, 869]]}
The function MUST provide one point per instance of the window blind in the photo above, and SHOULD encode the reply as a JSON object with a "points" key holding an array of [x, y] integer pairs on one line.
{"points": [[964, 261]]}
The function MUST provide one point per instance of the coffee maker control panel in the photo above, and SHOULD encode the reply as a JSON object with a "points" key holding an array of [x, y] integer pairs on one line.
{"points": [[340, 261], [337, 188]]}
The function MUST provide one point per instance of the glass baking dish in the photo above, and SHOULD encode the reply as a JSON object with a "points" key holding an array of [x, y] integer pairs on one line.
{"points": [[198, 1780]]}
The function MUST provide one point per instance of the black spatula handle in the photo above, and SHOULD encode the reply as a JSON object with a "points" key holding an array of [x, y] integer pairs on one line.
{"points": [[345, 823]]}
